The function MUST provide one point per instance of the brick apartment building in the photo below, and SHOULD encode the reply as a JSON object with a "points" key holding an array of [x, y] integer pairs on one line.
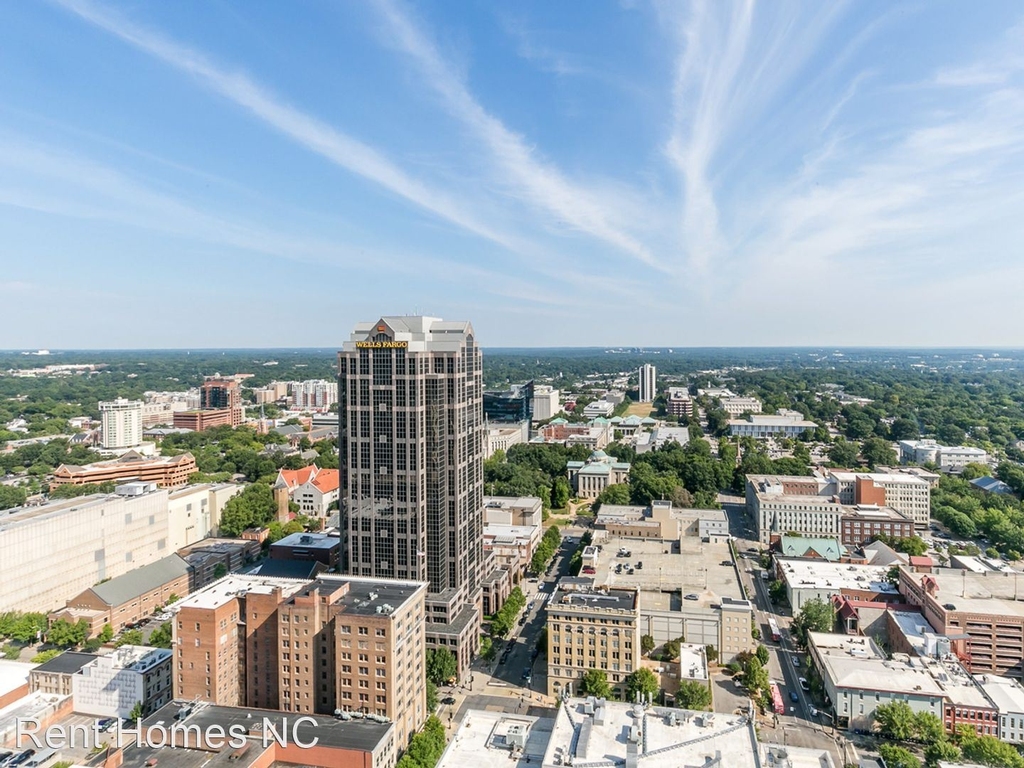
{"points": [[220, 404], [313, 647]]}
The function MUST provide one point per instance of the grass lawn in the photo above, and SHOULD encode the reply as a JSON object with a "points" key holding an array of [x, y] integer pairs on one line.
{"points": [[640, 409]]}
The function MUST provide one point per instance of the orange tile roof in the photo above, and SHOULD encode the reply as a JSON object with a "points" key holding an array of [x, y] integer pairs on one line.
{"points": [[327, 480], [296, 477]]}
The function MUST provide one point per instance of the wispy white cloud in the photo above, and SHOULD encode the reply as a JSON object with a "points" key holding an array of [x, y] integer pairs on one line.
{"points": [[313, 134], [546, 58], [536, 181]]}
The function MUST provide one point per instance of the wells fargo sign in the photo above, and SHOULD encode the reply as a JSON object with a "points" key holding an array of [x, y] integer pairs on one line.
{"points": [[382, 344]]}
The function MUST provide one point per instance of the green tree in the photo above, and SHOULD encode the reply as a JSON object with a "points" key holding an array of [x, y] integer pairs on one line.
{"points": [[987, 750], [617, 493], [129, 637], [595, 683], [560, 493], [486, 648], [693, 694], [254, 506], [711, 653], [755, 677], [644, 682], [161, 636], [777, 591], [431, 697], [220, 570], [136, 711], [877, 450], [896, 720], [44, 656], [646, 644], [898, 757], [816, 615], [426, 747], [945, 751], [928, 728], [64, 634], [106, 634], [762, 654], [671, 650], [844, 454], [11, 496], [441, 665]]}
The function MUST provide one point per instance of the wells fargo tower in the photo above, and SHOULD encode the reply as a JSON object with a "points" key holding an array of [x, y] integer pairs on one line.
{"points": [[411, 454]]}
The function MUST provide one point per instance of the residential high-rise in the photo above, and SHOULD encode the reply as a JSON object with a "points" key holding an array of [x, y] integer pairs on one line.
{"points": [[647, 376], [306, 646], [411, 450], [122, 423]]}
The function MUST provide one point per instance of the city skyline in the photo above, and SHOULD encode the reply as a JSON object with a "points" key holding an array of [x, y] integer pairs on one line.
{"points": [[737, 169]]}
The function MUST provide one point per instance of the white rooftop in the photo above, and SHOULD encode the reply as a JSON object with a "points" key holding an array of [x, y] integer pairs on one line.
{"points": [[660, 737], [13, 675], [805, 574], [880, 477], [1007, 694], [990, 592], [785, 756], [496, 738], [224, 590]]}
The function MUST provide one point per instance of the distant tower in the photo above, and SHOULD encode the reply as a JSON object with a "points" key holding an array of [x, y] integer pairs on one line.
{"points": [[122, 423], [647, 372]]}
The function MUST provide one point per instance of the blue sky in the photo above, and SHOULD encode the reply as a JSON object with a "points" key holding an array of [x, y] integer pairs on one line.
{"points": [[219, 174]]}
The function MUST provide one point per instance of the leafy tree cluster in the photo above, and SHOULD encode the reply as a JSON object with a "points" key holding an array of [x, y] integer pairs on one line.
{"points": [[914, 545], [12, 496], [232, 450], [161, 636], [441, 665], [693, 694], [129, 637], [970, 513], [576, 561], [986, 750], [505, 618], [817, 615], [595, 683], [254, 506], [426, 746], [40, 459], [74, 491], [546, 549], [644, 683], [64, 634], [44, 656], [533, 469], [646, 644], [21, 627]]}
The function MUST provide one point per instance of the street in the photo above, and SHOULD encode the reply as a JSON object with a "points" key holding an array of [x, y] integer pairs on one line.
{"points": [[786, 665], [501, 684]]}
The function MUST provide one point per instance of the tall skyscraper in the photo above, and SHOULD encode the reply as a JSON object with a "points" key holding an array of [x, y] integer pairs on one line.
{"points": [[647, 379], [122, 423], [411, 451]]}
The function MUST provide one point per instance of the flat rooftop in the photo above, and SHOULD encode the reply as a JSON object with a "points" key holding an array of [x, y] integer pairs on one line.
{"points": [[811, 574], [365, 596], [485, 738], [35, 706], [226, 589], [670, 737], [1007, 694], [13, 675], [615, 599], [785, 756], [917, 631], [880, 477], [309, 541], [988, 592], [686, 566]]}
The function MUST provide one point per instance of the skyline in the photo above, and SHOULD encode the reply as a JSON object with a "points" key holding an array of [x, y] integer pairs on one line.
{"points": [[735, 170]]}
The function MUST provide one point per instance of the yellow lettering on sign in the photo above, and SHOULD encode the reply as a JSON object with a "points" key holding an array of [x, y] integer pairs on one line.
{"points": [[382, 344]]}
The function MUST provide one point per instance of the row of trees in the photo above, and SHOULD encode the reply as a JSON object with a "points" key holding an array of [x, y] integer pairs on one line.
{"points": [[898, 722], [505, 619], [641, 682], [546, 549], [532, 469], [426, 746], [970, 513]]}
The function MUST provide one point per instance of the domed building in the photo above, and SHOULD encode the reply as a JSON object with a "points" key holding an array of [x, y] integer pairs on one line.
{"points": [[588, 478]]}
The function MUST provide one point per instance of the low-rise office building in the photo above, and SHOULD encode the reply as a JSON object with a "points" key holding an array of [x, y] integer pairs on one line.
{"points": [[545, 402], [112, 686], [598, 408], [945, 457], [817, 579], [907, 493], [322, 547], [513, 510], [165, 471], [1008, 696], [55, 676], [763, 426], [131, 598], [857, 679], [501, 437], [737, 405], [662, 521], [15, 681], [512, 546]]}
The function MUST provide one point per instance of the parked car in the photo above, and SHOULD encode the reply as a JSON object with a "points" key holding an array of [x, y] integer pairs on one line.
{"points": [[793, 696], [796, 661], [106, 724], [526, 674], [691, 596], [22, 758], [449, 700], [804, 684]]}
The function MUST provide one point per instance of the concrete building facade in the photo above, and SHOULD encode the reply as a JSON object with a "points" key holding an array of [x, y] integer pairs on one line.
{"points": [[648, 383], [546, 402], [122, 423], [112, 685]]}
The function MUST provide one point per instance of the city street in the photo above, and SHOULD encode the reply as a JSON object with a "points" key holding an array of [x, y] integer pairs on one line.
{"points": [[786, 665], [501, 685]]}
